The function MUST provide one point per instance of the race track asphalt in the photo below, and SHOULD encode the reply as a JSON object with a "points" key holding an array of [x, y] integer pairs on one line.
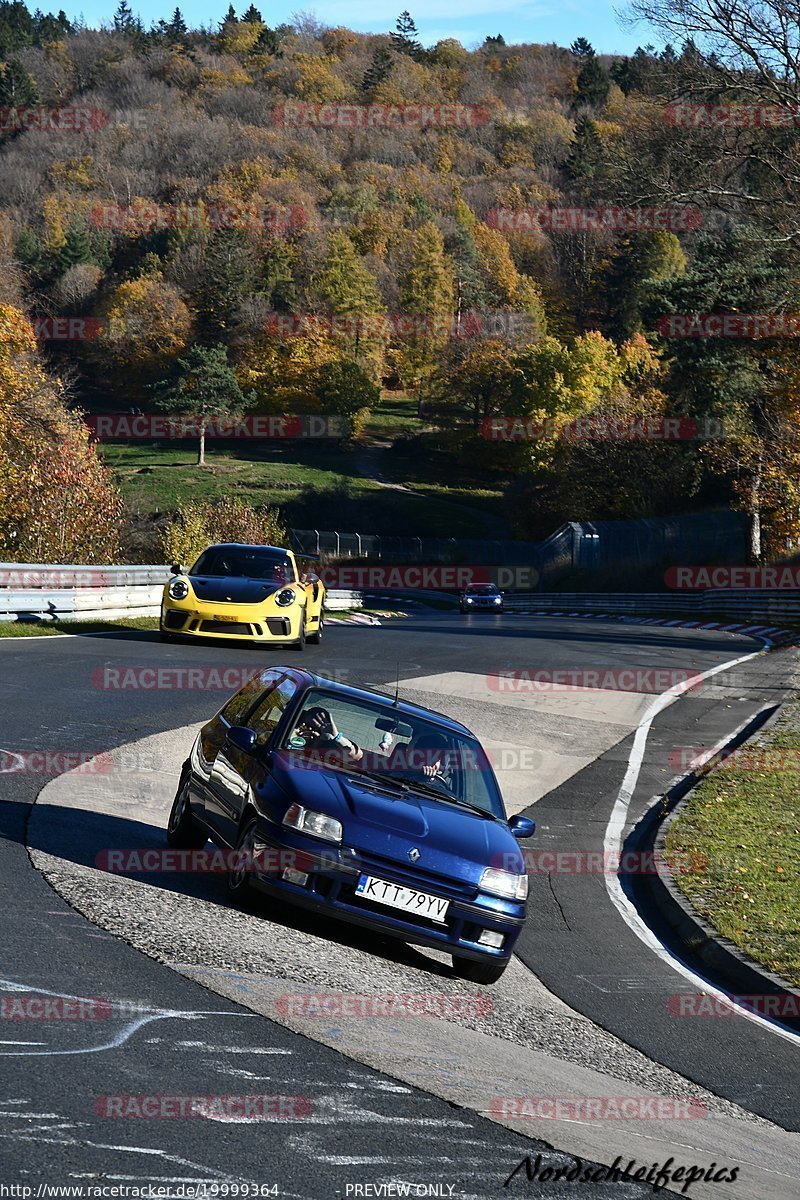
{"points": [[365, 1127]]}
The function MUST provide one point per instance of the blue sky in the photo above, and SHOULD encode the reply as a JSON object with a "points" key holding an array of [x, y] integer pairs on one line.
{"points": [[469, 21]]}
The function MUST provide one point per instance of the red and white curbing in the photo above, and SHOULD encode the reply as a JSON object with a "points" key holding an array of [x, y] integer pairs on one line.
{"points": [[355, 619]]}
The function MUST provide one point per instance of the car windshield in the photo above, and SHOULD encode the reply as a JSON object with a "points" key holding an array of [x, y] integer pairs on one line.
{"points": [[482, 589], [244, 563], [407, 752]]}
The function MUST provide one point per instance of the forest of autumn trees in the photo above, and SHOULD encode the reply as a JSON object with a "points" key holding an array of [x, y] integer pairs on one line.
{"points": [[206, 194]]}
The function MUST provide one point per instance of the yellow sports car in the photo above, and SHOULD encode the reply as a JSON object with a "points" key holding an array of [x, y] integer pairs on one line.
{"points": [[242, 592]]}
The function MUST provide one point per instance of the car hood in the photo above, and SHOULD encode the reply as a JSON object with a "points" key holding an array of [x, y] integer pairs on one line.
{"points": [[452, 841], [236, 590]]}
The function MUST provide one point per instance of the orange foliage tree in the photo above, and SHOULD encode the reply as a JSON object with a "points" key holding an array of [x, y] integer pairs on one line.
{"points": [[57, 501]]}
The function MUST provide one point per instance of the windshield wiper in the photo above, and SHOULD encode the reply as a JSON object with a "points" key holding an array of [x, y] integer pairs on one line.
{"points": [[382, 777], [427, 789]]}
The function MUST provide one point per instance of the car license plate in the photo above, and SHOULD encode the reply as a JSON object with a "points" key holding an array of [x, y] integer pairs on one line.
{"points": [[394, 895]]}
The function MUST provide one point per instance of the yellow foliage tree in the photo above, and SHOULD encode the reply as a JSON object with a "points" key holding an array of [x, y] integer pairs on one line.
{"points": [[146, 326]]}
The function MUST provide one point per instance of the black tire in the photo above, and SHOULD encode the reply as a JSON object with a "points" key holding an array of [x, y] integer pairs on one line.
{"points": [[479, 972], [316, 637], [183, 832], [301, 644], [238, 877]]}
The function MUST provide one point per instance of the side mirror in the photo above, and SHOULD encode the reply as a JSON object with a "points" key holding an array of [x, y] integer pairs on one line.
{"points": [[175, 569], [522, 827], [242, 738]]}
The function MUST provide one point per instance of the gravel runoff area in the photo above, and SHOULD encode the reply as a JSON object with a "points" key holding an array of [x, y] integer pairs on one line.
{"points": [[258, 957]]}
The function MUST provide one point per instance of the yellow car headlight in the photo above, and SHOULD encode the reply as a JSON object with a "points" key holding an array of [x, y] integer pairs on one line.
{"points": [[285, 597], [178, 589]]}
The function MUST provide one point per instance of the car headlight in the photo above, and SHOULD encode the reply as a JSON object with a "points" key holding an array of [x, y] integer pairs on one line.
{"points": [[316, 823], [498, 599], [468, 600], [504, 883], [178, 589], [285, 597]]}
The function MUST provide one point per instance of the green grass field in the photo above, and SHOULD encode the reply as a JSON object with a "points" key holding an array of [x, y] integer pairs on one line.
{"points": [[315, 486], [737, 846]]}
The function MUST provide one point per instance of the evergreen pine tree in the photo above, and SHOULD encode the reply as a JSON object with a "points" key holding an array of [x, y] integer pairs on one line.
{"points": [[123, 17], [17, 88], [582, 49], [405, 39], [379, 69], [594, 83]]}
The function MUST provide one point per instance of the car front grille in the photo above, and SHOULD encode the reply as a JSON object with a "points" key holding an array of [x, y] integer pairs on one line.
{"points": [[416, 877], [226, 627], [175, 620]]}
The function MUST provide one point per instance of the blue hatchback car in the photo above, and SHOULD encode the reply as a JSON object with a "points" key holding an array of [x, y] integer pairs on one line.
{"points": [[362, 807]]}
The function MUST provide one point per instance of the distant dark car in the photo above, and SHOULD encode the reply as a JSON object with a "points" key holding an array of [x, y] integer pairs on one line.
{"points": [[481, 597], [346, 801]]}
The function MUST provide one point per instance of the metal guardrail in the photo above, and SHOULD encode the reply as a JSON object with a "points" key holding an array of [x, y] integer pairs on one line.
{"points": [[70, 592], [751, 604]]}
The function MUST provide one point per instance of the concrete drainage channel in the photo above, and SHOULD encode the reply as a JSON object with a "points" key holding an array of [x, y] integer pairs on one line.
{"points": [[515, 1039]]}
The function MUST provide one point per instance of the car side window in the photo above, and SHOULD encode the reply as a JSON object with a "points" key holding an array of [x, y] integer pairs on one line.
{"points": [[270, 710], [239, 705]]}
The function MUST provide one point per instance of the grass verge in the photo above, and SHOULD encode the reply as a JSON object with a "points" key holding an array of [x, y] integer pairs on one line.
{"points": [[22, 629], [738, 843]]}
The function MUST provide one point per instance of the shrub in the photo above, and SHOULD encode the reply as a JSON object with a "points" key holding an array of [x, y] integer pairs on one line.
{"points": [[195, 526]]}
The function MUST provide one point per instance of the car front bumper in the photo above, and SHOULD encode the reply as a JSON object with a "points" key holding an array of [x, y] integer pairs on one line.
{"points": [[233, 622], [330, 889]]}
